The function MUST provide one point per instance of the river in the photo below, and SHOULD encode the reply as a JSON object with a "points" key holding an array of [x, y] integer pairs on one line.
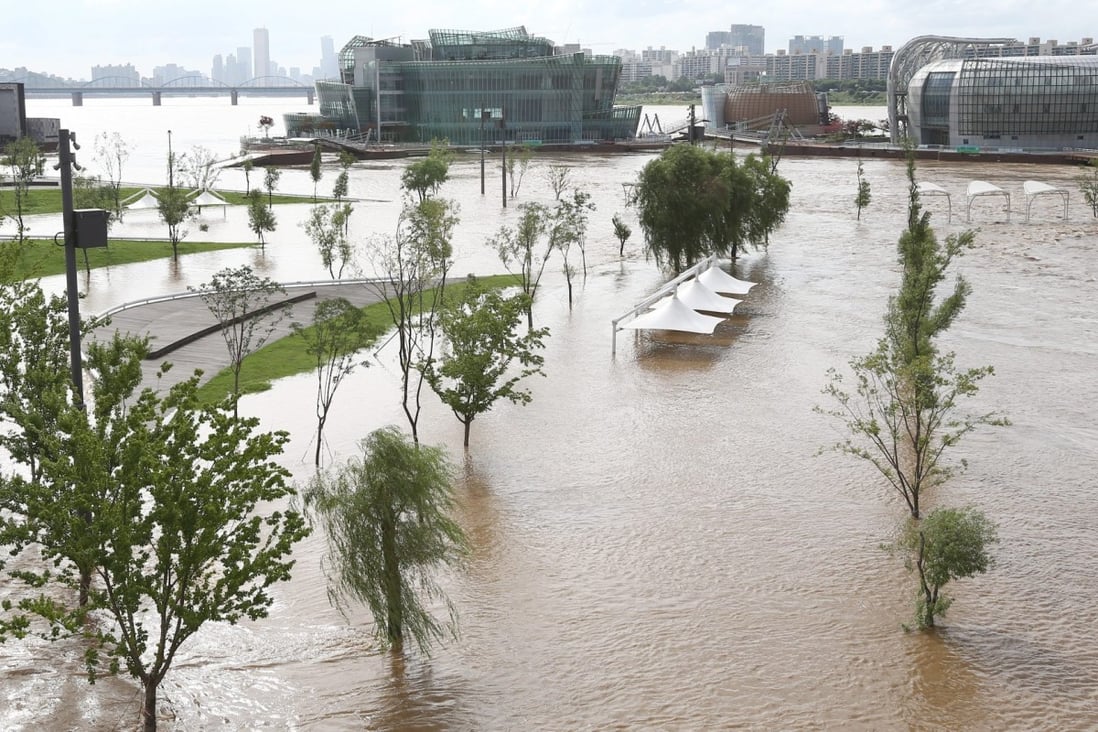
{"points": [[658, 541]]}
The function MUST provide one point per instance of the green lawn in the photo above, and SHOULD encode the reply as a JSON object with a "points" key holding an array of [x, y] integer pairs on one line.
{"points": [[287, 356], [42, 258], [48, 200]]}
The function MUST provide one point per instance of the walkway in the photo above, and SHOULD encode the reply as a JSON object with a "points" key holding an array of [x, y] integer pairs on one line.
{"points": [[176, 317]]}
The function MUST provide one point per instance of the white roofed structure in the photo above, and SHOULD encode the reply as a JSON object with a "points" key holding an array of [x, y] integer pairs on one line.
{"points": [[933, 189], [1034, 188], [979, 188], [674, 314], [699, 297], [718, 280], [207, 197], [142, 201]]}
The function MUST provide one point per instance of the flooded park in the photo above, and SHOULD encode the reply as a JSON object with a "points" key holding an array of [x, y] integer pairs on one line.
{"points": [[662, 539]]}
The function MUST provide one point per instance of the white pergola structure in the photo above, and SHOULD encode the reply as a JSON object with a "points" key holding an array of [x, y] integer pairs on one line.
{"points": [[979, 188], [932, 189], [668, 309], [141, 201], [206, 197], [1034, 188]]}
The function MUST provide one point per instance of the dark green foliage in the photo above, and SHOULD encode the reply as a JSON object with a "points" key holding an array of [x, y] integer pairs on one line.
{"points": [[863, 198], [1088, 186], [948, 544], [476, 370], [314, 169], [261, 217], [523, 252], [425, 176], [695, 202], [386, 516], [622, 232]]}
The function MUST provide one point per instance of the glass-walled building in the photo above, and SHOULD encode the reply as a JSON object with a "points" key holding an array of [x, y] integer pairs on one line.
{"points": [[472, 88], [1033, 103]]}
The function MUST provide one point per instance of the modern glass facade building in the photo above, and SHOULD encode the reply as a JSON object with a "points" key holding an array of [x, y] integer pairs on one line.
{"points": [[1030, 103], [471, 88]]}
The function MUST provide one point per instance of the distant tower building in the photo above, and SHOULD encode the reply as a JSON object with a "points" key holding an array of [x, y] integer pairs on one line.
{"points": [[715, 40], [244, 63], [832, 45], [329, 65], [261, 45], [750, 37], [217, 71]]}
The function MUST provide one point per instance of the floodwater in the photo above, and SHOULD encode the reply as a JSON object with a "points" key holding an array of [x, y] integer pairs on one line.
{"points": [[656, 542]]}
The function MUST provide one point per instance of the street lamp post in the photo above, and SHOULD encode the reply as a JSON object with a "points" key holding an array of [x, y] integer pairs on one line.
{"points": [[483, 119], [65, 162], [503, 149]]}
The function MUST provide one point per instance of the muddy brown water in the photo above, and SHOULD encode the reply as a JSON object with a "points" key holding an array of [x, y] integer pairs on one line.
{"points": [[656, 542]]}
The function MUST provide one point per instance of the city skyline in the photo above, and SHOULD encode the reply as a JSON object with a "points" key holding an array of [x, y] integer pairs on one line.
{"points": [[117, 32]]}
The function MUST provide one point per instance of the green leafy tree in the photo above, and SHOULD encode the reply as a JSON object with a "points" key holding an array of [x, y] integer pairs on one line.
{"points": [[314, 169], [425, 177], [386, 516], [863, 198], [695, 202], [326, 226], [411, 269], [339, 330], [270, 182], [173, 204], [25, 162], [949, 544], [261, 217], [568, 226], [243, 304], [904, 410], [1088, 186], [524, 253], [112, 152], [477, 370], [622, 232]]}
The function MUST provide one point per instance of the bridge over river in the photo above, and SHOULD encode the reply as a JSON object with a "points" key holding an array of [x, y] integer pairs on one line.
{"points": [[120, 86]]}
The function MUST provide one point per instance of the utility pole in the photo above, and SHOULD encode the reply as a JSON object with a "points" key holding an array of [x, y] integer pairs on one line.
{"points": [[66, 163], [483, 117], [503, 147]]}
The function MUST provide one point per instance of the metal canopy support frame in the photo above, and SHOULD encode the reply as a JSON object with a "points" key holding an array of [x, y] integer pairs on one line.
{"points": [[668, 288], [979, 188], [1034, 188], [931, 189]]}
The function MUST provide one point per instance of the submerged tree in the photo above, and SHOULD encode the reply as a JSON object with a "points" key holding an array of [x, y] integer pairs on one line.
{"points": [[478, 368], [863, 198], [386, 516], [412, 268], [425, 177], [903, 411], [112, 152], [199, 166], [948, 544], [523, 252], [261, 218], [242, 303], [327, 227], [1088, 186], [173, 204], [270, 182], [694, 202], [339, 330], [622, 232], [314, 169]]}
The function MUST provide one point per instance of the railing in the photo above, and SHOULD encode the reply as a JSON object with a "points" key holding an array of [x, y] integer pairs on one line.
{"points": [[660, 293]]}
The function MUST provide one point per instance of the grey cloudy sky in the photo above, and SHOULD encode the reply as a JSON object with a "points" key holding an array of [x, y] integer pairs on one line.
{"points": [[148, 33]]}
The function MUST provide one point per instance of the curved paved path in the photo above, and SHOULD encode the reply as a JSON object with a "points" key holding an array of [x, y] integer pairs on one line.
{"points": [[176, 317]]}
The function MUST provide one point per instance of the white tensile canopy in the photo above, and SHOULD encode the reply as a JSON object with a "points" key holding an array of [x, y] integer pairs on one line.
{"points": [[142, 200], [718, 280], [1034, 188], [207, 197], [933, 189], [674, 314], [979, 188], [697, 296]]}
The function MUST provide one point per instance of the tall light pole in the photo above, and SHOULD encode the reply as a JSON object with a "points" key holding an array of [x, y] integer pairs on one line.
{"points": [[483, 118], [65, 162], [503, 148]]}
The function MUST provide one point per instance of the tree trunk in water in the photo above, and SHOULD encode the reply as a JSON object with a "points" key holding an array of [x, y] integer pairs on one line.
{"points": [[394, 603], [468, 424], [85, 586], [148, 708]]}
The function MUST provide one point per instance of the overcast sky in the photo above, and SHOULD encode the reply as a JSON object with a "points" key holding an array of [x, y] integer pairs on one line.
{"points": [[150, 33]]}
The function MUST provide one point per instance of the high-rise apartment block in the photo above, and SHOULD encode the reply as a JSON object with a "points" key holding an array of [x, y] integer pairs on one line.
{"points": [[832, 45]]}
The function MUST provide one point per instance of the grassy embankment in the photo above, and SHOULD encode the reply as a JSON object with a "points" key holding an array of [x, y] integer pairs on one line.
{"points": [[287, 356], [42, 258]]}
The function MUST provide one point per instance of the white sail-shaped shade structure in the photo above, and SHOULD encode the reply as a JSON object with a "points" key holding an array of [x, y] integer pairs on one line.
{"points": [[146, 201], [718, 280], [208, 198], [674, 314], [699, 297]]}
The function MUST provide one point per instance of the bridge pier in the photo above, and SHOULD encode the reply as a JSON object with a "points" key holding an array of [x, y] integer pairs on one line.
{"points": [[234, 95], [310, 94], [156, 98], [78, 99]]}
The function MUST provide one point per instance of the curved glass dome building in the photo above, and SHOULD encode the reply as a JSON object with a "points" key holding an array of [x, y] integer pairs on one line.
{"points": [[1038, 103]]}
